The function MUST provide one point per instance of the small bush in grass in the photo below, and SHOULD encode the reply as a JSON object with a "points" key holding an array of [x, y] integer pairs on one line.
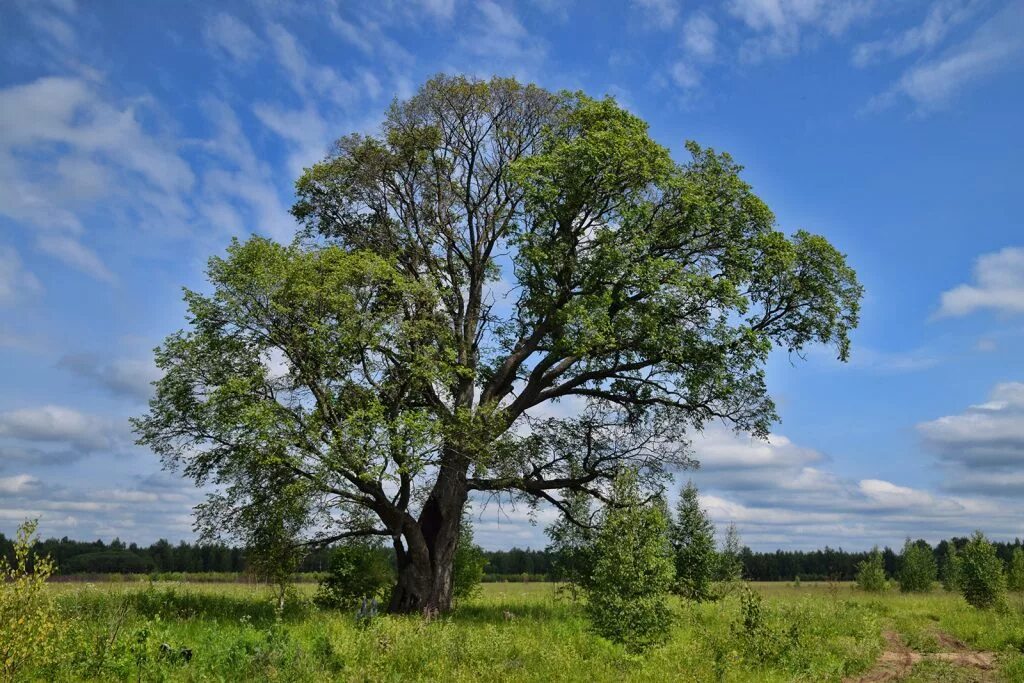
{"points": [[918, 570], [627, 596], [468, 567], [761, 634], [871, 572], [357, 570], [1015, 572], [29, 623], [982, 581]]}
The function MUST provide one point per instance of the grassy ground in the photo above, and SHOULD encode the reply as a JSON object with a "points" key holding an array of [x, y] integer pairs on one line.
{"points": [[513, 631]]}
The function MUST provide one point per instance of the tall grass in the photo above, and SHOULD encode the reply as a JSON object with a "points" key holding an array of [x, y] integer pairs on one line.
{"points": [[512, 631]]}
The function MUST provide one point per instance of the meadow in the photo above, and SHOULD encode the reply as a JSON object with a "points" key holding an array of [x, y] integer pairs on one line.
{"points": [[170, 631]]}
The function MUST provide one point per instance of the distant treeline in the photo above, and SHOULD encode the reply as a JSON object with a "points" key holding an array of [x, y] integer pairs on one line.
{"points": [[162, 557]]}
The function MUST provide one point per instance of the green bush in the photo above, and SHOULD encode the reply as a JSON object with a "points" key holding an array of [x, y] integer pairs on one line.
{"points": [[951, 569], [918, 570], [982, 581], [1015, 573], [871, 573], [627, 596], [468, 567], [762, 636], [692, 536], [30, 627], [357, 570]]}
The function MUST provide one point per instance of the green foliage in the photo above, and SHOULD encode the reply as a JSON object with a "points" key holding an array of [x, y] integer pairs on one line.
{"points": [[357, 570], [764, 637], [918, 570], [871, 572], [468, 567], [982, 581], [572, 543], [1015, 570], [363, 375], [627, 596], [116, 632], [109, 561], [730, 561], [30, 628], [951, 569], [692, 536]]}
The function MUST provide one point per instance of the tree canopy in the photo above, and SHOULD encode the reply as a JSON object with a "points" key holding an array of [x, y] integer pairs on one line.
{"points": [[495, 249]]}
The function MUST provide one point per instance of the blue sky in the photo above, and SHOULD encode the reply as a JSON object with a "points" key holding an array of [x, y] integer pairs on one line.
{"points": [[137, 138]]}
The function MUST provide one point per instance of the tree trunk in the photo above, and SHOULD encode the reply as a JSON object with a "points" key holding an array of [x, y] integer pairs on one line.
{"points": [[425, 567]]}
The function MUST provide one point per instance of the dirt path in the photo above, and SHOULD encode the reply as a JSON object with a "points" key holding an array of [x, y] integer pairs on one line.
{"points": [[897, 660]]}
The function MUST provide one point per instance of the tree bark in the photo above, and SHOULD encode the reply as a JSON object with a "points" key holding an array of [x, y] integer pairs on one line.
{"points": [[425, 568]]}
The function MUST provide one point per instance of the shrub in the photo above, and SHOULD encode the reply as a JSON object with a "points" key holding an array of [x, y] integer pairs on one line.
{"points": [[692, 536], [572, 544], [468, 567], [951, 569], [1015, 574], [917, 570], [627, 597], [356, 570], [730, 563], [761, 634], [871, 572], [981, 573], [29, 622]]}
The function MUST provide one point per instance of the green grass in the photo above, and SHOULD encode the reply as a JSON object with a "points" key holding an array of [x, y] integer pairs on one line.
{"points": [[815, 632]]}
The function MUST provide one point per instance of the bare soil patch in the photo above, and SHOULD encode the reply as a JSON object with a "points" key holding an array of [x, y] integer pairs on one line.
{"points": [[897, 661]]}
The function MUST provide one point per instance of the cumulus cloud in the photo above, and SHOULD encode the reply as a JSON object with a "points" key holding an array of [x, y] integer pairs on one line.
{"points": [[699, 36], [19, 483], [127, 377], [60, 425], [85, 511], [998, 286], [989, 434]]}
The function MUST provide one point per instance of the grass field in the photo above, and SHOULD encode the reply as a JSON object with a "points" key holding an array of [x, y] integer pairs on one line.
{"points": [[814, 632]]}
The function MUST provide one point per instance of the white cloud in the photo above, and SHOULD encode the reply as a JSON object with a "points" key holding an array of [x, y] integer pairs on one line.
{"points": [[779, 25], [699, 36], [684, 76], [59, 424], [660, 14], [994, 46], [16, 283], [62, 145], [19, 483], [500, 37], [941, 18], [242, 182], [990, 434], [75, 254], [999, 285], [123, 376], [231, 36], [439, 9]]}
